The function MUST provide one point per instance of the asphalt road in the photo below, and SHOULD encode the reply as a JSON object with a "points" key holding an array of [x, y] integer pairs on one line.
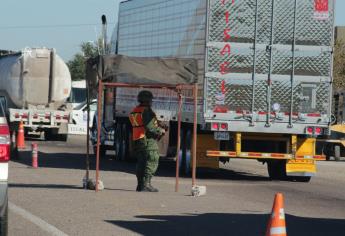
{"points": [[50, 200]]}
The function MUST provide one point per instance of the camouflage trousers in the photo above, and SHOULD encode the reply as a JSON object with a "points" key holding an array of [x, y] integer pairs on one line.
{"points": [[147, 164]]}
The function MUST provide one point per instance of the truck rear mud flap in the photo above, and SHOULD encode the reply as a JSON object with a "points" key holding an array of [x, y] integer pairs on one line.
{"points": [[300, 168]]}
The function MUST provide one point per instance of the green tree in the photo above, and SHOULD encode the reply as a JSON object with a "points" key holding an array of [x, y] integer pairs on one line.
{"points": [[77, 64], [339, 65]]}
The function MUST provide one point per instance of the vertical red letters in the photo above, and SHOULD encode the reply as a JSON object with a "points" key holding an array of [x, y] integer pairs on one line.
{"points": [[226, 50], [227, 15], [224, 68], [232, 2], [223, 87], [227, 34]]}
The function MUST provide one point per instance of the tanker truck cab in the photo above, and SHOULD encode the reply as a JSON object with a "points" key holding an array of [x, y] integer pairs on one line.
{"points": [[4, 159]]}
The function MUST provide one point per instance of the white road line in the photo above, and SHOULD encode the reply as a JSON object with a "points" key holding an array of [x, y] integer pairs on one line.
{"points": [[36, 220]]}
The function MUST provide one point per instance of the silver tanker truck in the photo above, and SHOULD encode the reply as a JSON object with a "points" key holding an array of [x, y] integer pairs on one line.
{"points": [[35, 84]]}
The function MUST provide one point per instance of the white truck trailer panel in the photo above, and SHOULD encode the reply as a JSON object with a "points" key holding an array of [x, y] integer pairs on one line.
{"points": [[266, 66]]}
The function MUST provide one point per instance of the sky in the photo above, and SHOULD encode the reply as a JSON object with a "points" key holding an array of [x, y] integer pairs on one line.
{"points": [[64, 24]]}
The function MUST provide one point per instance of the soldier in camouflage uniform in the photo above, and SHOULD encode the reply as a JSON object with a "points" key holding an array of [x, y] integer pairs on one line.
{"points": [[146, 133]]}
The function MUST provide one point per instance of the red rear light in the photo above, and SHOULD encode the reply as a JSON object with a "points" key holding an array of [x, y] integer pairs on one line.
{"points": [[318, 130], [4, 143], [310, 130], [16, 115], [35, 116], [66, 117], [4, 152], [25, 116], [215, 126], [224, 126], [4, 130], [58, 117], [47, 116]]}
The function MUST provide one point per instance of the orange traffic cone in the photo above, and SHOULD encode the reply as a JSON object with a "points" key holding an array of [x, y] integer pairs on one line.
{"points": [[276, 224], [20, 136]]}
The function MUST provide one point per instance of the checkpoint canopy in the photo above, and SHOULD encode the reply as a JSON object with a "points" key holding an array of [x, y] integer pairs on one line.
{"points": [[141, 70], [123, 71]]}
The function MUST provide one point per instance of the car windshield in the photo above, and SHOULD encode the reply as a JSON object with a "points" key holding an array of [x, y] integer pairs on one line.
{"points": [[80, 106], [78, 95]]}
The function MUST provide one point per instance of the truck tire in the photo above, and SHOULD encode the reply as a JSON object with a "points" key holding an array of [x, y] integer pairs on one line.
{"points": [[48, 135], [130, 154], [123, 149], [276, 169], [185, 152], [187, 162], [51, 135], [4, 221], [121, 142], [62, 137], [337, 152], [117, 140], [102, 151]]}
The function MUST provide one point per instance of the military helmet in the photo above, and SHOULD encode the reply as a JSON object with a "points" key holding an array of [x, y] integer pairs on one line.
{"points": [[145, 96]]}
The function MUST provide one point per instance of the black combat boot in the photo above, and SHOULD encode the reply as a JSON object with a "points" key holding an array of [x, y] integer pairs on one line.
{"points": [[140, 184], [153, 188], [148, 187]]}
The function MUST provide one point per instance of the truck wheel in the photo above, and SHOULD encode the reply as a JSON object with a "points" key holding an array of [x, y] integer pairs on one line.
{"points": [[4, 221], [337, 153], [124, 154], [117, 141], [131, 156], [48, 135], [185, 152], [62, 137], [276, 169], [181, 153], [328, 150], [121, 142], [187, 165], [102, 151], [122, 149]]}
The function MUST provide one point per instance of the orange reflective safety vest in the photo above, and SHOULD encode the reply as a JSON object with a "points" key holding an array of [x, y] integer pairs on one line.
{"points": [[136, 119]]}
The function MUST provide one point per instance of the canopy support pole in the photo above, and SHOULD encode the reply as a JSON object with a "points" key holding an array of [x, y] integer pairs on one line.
{"points": [[178, 141], [99, 126], [195, 127]]}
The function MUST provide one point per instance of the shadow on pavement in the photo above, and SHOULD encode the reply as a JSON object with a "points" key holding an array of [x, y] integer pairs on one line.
{"points": [[228, 224], [48, 186], [166, 167]]}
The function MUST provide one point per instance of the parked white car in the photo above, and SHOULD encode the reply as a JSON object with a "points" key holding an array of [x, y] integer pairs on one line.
{"points": [[79, 118]]}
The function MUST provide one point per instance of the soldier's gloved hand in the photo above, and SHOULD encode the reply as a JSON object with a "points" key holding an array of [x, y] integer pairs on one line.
{"points": [[165, 127]]}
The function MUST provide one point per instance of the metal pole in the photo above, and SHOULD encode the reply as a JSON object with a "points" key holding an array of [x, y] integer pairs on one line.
{"points": [[195, 126], [179, 118], [293, 64], [87, 175], [254, 60], [99, 125], [269, 81], [331, 65]]}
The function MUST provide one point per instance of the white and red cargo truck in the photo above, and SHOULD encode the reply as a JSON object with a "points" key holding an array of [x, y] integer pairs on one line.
{"points": [[265, 72]]}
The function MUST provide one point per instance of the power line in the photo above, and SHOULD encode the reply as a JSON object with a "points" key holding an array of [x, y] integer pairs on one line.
{"points": [[49, 26]]}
